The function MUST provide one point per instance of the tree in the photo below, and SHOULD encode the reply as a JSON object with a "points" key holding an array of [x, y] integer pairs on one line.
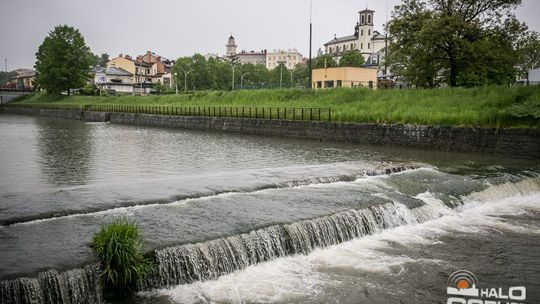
{"points": [[529, 51], [457, 42], [7, 76], [324, 61], [351, 58], [103, 59], [62, 60]]}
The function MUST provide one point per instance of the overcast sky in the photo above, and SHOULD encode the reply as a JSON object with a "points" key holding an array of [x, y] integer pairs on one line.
{"points": [[174, 28]]}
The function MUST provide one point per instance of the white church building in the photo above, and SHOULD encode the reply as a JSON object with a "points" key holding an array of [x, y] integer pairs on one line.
{"points": [[369, 42]]}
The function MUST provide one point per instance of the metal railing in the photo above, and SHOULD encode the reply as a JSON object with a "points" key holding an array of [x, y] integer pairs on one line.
{"points": [[303, 114]]}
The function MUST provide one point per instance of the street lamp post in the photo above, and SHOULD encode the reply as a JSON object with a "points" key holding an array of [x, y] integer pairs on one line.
{"points": [[233, 68], [176, 81], [242, 80], [186, 73], [291, 72], [281, 63]]}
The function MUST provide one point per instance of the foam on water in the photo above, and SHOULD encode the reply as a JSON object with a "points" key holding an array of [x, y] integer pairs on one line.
{"points": [[303, 277]]}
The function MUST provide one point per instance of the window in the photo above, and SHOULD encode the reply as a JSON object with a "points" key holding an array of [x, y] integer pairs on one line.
{"points": [[368, 32], [319, 84], [363, 19], [338, 83], [329, 84], [361, 32], [352, 46], [369, 19], [361, 45], [368, 45]]}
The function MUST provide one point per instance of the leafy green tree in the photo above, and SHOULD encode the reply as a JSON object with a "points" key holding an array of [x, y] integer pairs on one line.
{"points": [[103, 59], [6, 76], [324, 61], [457, 42], [529, 52], [351, 58], [63, 61], [301, 75]]}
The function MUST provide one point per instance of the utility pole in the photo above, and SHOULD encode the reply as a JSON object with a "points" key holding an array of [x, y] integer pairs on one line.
{"points": [[5, 64], [386, 43], [310, 41]]}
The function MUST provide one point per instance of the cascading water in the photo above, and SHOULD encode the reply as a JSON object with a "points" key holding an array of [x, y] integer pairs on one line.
{"points": [[79, 286], [211, 259], [208, 260]]}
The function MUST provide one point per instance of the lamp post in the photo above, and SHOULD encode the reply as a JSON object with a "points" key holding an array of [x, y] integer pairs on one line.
{"points": [[242, 80], [176, 81], [281, 63], [291, 72], [186, 73], [233, 68]]}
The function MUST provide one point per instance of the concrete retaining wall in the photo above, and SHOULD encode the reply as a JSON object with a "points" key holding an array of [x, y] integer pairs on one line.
{"points": [[521, 143]]}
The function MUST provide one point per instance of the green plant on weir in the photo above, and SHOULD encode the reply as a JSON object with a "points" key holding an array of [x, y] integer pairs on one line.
{"points": [[118, 248]]}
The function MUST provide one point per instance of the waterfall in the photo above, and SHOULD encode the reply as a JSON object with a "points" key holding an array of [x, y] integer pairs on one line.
{"points": [[78, 286], [211, 259]]}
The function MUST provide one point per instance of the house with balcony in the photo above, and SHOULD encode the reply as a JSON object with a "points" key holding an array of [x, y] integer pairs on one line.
{"points": [[114, 79]]}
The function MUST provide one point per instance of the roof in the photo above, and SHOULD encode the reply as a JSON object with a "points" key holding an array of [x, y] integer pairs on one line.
{"points": [[341, 39], [117, 72], [27, 74], [143, 64], [378, 36], [367, 11]]}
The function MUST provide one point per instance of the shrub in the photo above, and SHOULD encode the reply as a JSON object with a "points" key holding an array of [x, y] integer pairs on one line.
{"points": [[118, 248]]}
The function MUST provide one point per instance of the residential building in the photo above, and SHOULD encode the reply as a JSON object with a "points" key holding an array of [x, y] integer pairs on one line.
{"points": [[369, 42], [160, 65], [146, 69], [347, 77], [113, 78], [23, 81], [289, 58]]}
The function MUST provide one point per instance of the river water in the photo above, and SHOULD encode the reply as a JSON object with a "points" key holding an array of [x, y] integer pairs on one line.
{"points": [[245, 219]]}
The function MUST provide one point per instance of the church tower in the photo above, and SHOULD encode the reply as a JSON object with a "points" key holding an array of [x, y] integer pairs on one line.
{"points": [[365, 44], [231, 47]]}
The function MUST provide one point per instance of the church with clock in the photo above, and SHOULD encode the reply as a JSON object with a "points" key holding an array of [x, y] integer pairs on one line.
{"points": [[369, 42]]}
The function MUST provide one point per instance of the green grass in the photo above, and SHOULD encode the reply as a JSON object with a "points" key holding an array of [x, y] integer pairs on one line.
{"points": [[118, 248], [484, 106]]}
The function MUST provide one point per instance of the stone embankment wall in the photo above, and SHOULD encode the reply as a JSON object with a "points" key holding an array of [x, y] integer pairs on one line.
{"points": [[521, 143]]}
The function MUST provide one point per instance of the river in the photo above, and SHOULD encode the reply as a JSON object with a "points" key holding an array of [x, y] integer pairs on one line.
{"points": [[247, 219]]}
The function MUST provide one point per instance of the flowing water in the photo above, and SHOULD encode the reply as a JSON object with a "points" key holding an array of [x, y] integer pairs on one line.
{"points": [[245, 219]]}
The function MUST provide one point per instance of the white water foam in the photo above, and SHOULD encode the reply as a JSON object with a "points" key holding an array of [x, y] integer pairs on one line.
{"points": [[301, 277]]}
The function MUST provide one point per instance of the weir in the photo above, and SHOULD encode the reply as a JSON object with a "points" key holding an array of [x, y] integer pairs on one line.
{"points": [[197, 262], [78, 286], [211, 259], [258, 186]]}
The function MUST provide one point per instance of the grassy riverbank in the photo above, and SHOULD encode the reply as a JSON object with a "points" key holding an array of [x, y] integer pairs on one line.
{"points": [[484, 106]]}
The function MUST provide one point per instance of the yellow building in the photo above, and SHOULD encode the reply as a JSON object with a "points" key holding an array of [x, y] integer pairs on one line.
{"points": [[347, 77], [124, 63], [142, 71]]}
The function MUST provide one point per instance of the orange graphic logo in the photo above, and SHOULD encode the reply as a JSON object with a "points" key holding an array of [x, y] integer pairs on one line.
{"points": [[463, 283]]}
